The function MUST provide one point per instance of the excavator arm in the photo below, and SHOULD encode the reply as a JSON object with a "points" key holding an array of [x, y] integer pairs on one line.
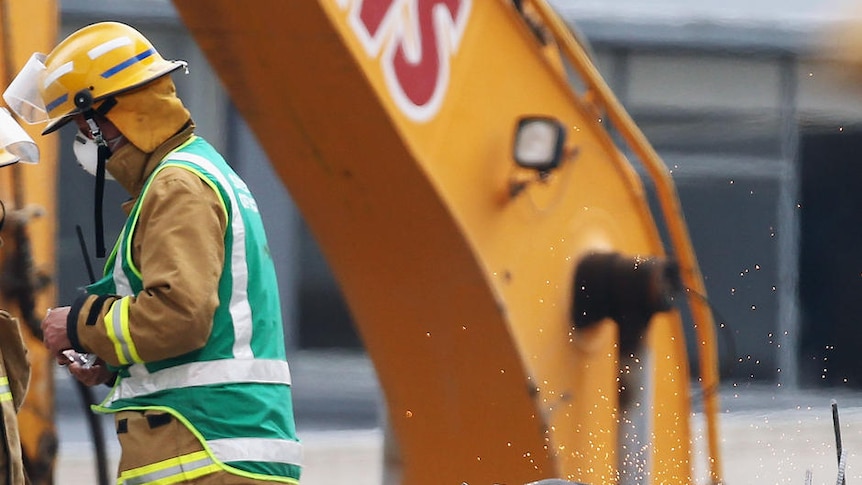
{"points": [[519, 316], [520, 310]]}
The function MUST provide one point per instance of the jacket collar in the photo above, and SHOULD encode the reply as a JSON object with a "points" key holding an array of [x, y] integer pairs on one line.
{"points": [[131, 167]]}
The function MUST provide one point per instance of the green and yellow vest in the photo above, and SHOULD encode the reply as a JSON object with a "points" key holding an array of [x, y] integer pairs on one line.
{"points": [[234, 394]]}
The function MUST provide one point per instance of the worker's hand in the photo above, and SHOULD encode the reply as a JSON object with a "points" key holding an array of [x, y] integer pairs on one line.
{"points": [[54, 333], [96, 374]]}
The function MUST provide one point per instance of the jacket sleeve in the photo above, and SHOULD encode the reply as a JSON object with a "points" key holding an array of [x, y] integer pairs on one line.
{"points": [[15, 358], [178, 247]]}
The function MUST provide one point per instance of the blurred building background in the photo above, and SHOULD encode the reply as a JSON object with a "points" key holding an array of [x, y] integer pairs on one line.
{"points": [[762, 142]]}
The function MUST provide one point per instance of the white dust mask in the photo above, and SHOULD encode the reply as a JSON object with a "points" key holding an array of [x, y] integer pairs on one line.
{"points": [[87, 152]]}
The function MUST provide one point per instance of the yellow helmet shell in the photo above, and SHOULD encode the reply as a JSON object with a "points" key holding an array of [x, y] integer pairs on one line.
{"points": [[105, 58]]}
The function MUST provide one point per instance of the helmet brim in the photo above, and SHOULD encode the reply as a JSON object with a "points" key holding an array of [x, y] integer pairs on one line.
{"points": [[60, 122]]}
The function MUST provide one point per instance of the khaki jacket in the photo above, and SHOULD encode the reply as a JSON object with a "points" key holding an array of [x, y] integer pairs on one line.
{"points": [[179, 249], [15, 366]]}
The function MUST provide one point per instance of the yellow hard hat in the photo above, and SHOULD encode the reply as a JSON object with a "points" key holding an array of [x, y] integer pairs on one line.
{"points": [[95, 62]]}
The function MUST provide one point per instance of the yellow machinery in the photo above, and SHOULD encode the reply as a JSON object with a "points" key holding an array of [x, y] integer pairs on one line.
{"points": [[28, 255], [485, 291], [495, 245]]}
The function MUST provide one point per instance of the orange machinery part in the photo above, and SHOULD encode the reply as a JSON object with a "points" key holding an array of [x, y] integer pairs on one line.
{"points": [[29, 26], [391, 124]]}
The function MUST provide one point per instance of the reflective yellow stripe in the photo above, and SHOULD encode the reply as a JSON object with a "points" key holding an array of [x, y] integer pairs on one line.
{"points": [[127, 332], [5, 390], [173, 470], [117, 327]]}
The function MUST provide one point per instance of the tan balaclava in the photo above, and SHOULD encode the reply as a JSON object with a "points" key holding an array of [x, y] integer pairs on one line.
{"points": [[149, 116]]}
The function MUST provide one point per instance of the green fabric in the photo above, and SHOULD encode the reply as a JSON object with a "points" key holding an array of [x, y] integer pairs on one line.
{"points": [[251, 409]]}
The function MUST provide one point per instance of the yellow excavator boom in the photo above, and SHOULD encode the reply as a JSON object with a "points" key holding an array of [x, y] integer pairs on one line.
{"points": [[519, 317], [392, 124]]}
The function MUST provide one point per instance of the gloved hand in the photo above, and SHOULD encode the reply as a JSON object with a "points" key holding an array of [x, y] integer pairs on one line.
{"points": [[54, 333], [94, 375]]}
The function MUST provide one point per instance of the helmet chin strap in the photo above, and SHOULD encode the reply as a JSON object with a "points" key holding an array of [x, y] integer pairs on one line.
{"points": [[84, 102]]}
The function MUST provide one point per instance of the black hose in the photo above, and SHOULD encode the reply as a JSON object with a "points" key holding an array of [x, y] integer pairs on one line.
{"points": [[95, 432], [87, 393]]}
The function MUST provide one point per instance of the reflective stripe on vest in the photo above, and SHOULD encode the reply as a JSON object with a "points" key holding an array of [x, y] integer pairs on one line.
{"points": [[174, 470], [239, 307], [5, 390], [198, 464], [257, 449], [227, 371]]}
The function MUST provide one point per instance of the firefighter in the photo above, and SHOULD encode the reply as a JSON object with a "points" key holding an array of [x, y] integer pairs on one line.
{"points": [[186, 319], [15, 146]]}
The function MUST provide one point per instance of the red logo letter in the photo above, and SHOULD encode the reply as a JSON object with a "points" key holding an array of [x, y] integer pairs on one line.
{"points": [[417, 39]]}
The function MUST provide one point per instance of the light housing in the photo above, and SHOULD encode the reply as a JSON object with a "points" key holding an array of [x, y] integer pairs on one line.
{"points": [[539, 142]]}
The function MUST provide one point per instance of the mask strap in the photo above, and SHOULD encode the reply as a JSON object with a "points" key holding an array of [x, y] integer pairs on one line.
{"points": [[104, 152], [84, 102]]}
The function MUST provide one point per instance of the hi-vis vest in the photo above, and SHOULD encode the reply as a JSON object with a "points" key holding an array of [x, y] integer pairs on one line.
{"points": [[234, 393]]}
